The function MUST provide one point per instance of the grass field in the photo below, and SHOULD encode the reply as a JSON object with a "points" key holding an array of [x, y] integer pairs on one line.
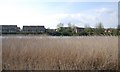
{"points": [[59, 53]]}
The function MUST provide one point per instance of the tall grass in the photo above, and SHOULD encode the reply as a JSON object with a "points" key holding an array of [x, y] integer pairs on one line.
{"points": [[60, 53]]}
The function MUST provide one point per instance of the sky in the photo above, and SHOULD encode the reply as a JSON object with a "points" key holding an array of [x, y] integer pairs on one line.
{"points": [[49, 14]]}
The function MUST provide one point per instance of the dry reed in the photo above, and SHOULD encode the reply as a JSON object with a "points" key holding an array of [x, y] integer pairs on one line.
{"points": [[60, 53]]}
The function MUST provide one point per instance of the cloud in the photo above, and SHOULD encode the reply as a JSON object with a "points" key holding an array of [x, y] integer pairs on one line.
{"points": [[107, 16], [104, 10], [20, 15], [79, 19]]}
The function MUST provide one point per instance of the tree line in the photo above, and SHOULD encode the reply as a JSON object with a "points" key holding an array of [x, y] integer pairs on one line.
{"points": [[99, 30]]}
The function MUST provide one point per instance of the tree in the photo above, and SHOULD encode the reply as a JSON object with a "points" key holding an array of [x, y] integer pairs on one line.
{"points": [[114, 32], [71, 25], [66, 31], [99, 29], [71, 28], [59, 27], [82, 33], [88, 30]]}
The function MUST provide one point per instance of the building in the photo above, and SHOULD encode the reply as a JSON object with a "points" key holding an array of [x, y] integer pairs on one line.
{"points": [[79, 29], [9, 29], [76, 29], [109, 30], [33, 29]]}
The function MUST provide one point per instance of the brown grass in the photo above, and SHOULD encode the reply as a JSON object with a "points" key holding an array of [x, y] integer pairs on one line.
{"points": [[60, 53]]}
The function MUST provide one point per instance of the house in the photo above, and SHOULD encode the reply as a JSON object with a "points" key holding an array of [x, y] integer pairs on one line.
{"points": [[78, 29], [33, 29], [109, 30], [9, 29]]}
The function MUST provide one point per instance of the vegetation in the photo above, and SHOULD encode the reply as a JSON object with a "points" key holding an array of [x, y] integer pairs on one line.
{"points": [[60, 53], [87, 31], [70, 30]]}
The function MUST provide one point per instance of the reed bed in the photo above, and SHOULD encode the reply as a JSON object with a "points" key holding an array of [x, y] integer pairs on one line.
{"points": [[60, 53]]}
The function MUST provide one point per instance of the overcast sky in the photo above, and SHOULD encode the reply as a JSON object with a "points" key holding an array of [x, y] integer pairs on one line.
{"points": [[49, 14]]}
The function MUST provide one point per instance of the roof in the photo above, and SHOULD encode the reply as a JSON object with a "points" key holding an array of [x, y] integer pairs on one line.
{"points": [[8, 25], [33, 26], [79, 27]]}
